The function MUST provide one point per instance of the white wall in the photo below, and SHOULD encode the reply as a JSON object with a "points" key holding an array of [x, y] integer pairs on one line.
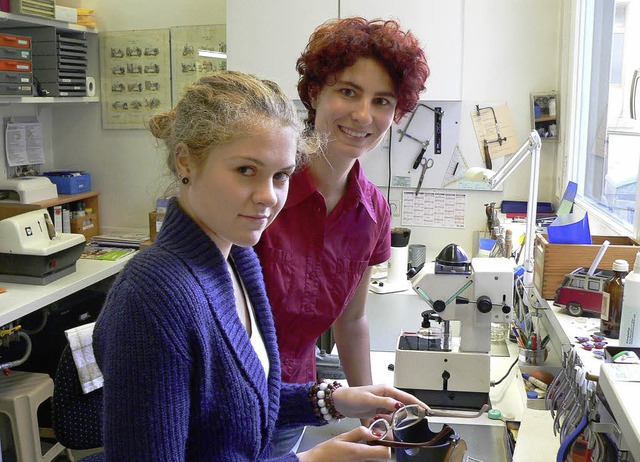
{"points": [[126, 165], [510, 50]]}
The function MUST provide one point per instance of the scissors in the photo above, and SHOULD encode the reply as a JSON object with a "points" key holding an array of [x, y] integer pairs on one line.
{"points": [[426, 165]]}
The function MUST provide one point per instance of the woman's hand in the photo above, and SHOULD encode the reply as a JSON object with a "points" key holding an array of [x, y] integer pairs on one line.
{"points": [[347, 447], [371, 400]]}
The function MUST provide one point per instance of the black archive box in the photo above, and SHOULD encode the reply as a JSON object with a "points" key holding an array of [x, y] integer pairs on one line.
{"points": [[59, 61]]}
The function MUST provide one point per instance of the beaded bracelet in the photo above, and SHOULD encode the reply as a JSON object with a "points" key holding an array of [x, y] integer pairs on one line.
{"points": [[321, 396]]}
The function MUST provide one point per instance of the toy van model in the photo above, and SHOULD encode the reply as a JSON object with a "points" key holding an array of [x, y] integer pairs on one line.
{"points": [[581, 293]]}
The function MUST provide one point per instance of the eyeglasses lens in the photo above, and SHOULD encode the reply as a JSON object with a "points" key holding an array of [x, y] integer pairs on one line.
{"points": [[407, 416], [379, 428]]}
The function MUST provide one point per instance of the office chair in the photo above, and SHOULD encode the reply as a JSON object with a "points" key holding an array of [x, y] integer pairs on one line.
{"points": [[76, 417]]}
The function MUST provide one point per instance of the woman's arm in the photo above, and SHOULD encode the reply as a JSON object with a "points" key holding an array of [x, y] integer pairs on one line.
{"points": [[351, 332]]}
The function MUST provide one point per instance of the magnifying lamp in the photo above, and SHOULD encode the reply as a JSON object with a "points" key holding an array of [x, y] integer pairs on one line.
{"points": [[530, 148]]}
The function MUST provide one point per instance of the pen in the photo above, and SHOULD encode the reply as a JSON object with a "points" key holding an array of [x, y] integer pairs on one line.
{"points": [[534, 341], [545, 340], [517, 334]]}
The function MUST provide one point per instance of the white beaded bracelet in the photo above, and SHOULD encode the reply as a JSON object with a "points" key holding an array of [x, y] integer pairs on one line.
{"points": [[321, 397]]}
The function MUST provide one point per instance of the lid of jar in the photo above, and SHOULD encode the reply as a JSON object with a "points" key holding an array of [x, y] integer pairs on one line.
{"points": [[620, 265]]}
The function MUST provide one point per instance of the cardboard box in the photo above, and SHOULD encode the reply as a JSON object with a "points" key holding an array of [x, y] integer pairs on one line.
{"points": [[87, 225], [553, 261], [611, 351], [155, 222], [70, 182], [65, 13]]}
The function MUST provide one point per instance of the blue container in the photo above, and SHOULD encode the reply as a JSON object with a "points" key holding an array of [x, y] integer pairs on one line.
{"points": [[572, 228], [70, 182]]}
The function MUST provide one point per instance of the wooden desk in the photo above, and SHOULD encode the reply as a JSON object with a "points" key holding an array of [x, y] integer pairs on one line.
{"points": [[21, 299]]}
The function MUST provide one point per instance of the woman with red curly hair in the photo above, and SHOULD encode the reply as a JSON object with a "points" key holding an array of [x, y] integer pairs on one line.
{"points": [[356, 77]]}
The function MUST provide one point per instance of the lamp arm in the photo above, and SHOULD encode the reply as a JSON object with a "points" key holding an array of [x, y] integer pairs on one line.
{"points": [[531, 147], [532, 207], [515, 160]]}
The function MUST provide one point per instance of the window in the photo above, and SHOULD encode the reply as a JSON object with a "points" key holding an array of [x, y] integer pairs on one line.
{"points": [[606, 138]]}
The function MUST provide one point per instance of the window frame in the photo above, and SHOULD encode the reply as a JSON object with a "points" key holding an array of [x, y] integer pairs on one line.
{"points": [[589, 31]]}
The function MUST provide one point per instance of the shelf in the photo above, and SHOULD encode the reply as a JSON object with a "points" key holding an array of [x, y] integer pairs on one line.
{"points": [[545, 118], [66, 198], [10, 20], [48, 99], [91, 199]]}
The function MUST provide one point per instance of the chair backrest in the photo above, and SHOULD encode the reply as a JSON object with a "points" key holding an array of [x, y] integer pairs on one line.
{"points": [[76, 417]]}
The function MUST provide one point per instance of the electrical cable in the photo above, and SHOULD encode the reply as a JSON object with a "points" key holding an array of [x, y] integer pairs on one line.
{"points": [[493, 384]]}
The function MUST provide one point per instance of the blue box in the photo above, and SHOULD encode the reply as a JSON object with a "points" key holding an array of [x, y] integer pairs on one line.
{"points": [[70, 182]]}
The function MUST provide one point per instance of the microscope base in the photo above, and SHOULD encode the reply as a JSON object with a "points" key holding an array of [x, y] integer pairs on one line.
{"points": [[450, 399], [447, 378]]}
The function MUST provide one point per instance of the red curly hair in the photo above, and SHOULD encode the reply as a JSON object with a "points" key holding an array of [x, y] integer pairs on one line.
{"points": [[339, 43]]}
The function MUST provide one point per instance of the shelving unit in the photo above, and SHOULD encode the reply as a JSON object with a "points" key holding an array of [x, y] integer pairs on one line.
{"points": [[90, 198], [544, 115], [19, 20], [17, 23], [47, 99]]}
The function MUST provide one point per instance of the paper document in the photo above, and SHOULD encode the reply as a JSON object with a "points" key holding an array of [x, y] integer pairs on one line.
{"points": [[491, 123], [438, 210], [23, 144]]}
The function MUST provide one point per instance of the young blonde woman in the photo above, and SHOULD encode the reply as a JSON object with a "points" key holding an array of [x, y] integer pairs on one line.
{"points": [[186, 341]]}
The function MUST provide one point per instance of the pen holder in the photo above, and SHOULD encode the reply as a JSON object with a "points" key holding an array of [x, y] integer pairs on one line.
{"points": [[533, 357]]}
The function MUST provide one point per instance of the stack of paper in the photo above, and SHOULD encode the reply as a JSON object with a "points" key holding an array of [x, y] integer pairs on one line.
{"points": [[86, 17], [128, 240], [92, 252]]}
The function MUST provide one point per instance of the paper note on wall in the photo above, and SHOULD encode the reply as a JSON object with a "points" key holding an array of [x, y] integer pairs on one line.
{"points": [[494, 130], [23, 144], [436, 209]]}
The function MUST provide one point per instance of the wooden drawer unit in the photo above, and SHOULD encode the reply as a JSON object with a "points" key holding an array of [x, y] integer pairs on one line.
{"points": [[553, 261]]}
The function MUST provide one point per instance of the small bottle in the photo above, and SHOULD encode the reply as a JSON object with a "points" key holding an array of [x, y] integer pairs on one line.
{"points": [[612, 311], [630, 319], [508, 243], [552, 107]]}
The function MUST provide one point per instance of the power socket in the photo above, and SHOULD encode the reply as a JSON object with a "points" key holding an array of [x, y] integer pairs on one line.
{"points": [[395, 208]]}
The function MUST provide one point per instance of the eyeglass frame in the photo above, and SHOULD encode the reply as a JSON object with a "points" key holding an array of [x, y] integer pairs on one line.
{"points": [[441, 438], [422, 414]]}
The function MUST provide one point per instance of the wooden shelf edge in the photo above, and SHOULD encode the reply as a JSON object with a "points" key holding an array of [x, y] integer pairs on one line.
{"points": [[65, 199]]}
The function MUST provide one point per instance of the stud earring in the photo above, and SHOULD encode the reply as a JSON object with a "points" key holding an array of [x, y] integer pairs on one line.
{"points": [[184, 179]]}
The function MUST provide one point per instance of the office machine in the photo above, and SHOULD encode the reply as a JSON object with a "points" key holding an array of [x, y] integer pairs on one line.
{"points": [[454, 372], [31, 252], [27, 189]]}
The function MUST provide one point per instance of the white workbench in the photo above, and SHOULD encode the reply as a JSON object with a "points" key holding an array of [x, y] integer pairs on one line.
{"points": [[388, 315], [21, 299], [619, 390]]}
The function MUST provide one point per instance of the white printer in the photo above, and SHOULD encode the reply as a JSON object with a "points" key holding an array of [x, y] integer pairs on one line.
{"points": [[31, 252], [27, 189]]}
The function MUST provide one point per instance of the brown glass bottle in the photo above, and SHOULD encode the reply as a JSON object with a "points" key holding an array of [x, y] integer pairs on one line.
{"points": [[612, 311]]}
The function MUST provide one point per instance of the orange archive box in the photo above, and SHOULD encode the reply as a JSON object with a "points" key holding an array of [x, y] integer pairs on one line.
{"points": [[15, 41], [553, 261], [14, 65]]}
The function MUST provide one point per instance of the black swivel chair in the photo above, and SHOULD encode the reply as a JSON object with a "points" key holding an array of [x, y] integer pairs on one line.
{"points": [[76, 417]]}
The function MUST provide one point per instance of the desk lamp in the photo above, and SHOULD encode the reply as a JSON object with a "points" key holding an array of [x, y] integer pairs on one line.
{"points": [[531, 147]]}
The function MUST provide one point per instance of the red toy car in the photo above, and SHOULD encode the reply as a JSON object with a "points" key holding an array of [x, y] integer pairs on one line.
{"points": [[580, 292]]}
